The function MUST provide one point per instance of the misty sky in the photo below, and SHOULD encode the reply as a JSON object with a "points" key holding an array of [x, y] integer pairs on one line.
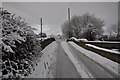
{"points": [[55, 13]]}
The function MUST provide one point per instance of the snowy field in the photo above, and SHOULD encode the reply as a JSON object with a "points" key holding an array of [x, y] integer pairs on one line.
{"points": [[46, 64], [112, 66]]}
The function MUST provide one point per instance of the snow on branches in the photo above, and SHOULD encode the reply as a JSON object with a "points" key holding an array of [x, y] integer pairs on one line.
{"points": [[19, 45], [83, 26]]}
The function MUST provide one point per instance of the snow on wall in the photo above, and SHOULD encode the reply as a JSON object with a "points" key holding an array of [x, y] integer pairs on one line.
{"points": [[103, 41], [112, 66], [46, 64], [81, 39], [111, 51]]}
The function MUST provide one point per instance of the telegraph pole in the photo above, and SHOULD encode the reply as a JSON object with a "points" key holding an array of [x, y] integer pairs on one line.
{"points": [[69, 21], [69, 14], [41, 26], [118, 34]]}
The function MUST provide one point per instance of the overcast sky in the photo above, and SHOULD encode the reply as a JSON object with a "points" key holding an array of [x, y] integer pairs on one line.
{"points": [[55, 13]]}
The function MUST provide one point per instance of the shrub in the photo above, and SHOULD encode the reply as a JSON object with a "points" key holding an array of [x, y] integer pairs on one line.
{"points": [[19, 46]]}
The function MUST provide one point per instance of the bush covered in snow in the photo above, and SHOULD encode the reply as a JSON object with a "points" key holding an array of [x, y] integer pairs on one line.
{"points": [[19, 46]]}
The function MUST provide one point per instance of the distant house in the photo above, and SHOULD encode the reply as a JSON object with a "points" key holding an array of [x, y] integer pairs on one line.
{"points": [[104, 38], [43, 35]]}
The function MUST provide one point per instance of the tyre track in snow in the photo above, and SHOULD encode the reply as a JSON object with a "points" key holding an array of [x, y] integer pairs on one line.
{"points": [[81, 69], [93, 68], [64, 68]]}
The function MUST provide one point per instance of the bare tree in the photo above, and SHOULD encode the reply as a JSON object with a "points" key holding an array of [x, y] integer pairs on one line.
{"points": [[113, 31], [65, 29]]}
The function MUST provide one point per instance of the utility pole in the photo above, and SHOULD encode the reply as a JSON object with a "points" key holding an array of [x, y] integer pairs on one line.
{"points": [[118, 34], [69, 14], [69, 21], [41, 27]]}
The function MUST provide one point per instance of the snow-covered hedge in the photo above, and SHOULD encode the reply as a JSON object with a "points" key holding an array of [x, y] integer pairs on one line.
{"points": [[46, 42], [19, 46]]}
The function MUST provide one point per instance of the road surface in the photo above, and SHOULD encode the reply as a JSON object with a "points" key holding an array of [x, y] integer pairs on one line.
{"points": [[65, 68]]}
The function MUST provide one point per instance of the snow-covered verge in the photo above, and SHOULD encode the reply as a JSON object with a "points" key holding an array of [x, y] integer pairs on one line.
{"points": [[46, 64], [112, 66], [79, 66], [99, 48]]}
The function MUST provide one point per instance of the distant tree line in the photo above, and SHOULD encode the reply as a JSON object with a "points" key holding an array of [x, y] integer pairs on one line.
{"points": [[85, 26], [113, 33]]}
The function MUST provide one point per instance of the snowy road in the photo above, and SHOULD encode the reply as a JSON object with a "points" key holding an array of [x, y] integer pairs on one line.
{"points": [[94, 68], [62, 59], [67, 69]]}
